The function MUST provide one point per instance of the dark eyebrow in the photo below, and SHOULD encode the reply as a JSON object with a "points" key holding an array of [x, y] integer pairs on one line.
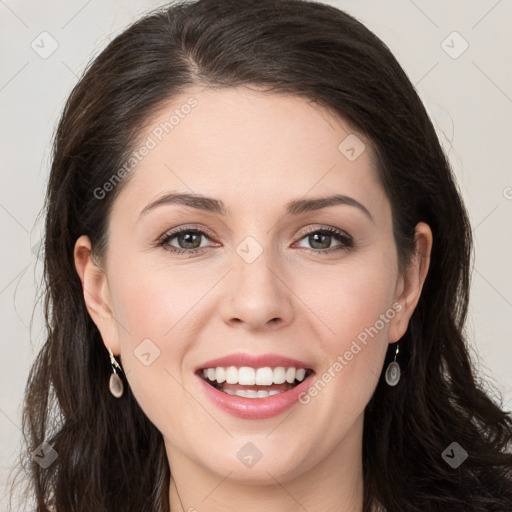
{"points": [[197, 201], [316, 203], [295, 207]]}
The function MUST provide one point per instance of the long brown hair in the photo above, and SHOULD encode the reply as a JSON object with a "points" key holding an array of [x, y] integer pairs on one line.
{"points": [[111, 458]]}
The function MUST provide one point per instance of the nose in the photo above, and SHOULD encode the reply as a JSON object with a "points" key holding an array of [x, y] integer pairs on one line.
{"points": [[258, 295]]}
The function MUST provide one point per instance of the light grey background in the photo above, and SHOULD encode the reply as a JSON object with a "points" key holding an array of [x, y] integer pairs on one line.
{"points": [[469, 97]]}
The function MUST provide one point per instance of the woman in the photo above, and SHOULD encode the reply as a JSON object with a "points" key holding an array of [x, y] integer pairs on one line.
{"points": [[257, 268]]}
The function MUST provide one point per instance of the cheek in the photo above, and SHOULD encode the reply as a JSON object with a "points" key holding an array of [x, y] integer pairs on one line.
{"points": [[352, 299], [155, 322], [356, 319], [154, 313], [153, 302]]}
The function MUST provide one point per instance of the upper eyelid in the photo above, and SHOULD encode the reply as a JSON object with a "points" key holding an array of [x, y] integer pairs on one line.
{"points": [[330, 229]]}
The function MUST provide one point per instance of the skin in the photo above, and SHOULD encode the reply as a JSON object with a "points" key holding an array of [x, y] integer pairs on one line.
{"points": [[255, 151]]}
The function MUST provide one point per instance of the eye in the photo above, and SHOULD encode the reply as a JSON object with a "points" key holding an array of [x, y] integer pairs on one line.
{"points": [[320, 240], [188, 240]]}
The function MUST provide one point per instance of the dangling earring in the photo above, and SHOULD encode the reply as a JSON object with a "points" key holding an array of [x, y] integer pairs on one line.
{"points": [[115, 383], [393, 371]]}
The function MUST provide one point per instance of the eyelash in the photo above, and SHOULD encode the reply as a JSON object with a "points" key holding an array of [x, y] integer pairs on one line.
{"points": [[346, 240]]}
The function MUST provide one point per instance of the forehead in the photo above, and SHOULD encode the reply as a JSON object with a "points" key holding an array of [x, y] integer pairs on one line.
{"points": [[250, 146]]}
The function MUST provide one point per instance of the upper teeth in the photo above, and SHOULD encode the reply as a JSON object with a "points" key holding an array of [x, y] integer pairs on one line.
{"points": [[247, 376]]}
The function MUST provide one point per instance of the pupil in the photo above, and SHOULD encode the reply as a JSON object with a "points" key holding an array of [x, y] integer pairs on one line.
{"points": [[187, 237], [315, 236]]}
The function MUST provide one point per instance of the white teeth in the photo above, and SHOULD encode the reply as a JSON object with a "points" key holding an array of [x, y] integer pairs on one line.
{"points": [[279, 375], [264, 376], [220, 375], [232, 375], [251, 393], [247, 376], [300, 374], [246, 393]]}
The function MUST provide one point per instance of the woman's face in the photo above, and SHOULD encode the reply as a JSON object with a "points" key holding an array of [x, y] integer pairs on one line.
{"points": [[254, 278]]}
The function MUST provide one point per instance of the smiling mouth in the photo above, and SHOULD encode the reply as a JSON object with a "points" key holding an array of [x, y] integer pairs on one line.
{"points": [[250, 382]]}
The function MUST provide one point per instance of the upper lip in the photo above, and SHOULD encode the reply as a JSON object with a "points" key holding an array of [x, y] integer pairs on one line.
{"points": [[254, 361]]}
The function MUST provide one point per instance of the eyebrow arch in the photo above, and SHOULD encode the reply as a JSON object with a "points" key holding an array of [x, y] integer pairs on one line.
{"points": [[299, 206], [294, 207]]}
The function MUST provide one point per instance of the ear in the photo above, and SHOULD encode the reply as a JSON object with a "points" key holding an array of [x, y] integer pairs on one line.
{"points": [[410, 284], [96, 293]]}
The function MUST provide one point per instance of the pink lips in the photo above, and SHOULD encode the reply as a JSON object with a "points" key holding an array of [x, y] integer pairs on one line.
{"points": [[255, 408]]}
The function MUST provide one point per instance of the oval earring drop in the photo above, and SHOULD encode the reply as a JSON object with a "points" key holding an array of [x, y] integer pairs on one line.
{"points": [[392, 375], [115, 383]]}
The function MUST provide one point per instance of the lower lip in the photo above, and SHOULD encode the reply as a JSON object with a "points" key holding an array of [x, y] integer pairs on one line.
{"points": [[255, 408]]}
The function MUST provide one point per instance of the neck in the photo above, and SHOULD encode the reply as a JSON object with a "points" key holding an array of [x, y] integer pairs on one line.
{"points": [[334, 484]]}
